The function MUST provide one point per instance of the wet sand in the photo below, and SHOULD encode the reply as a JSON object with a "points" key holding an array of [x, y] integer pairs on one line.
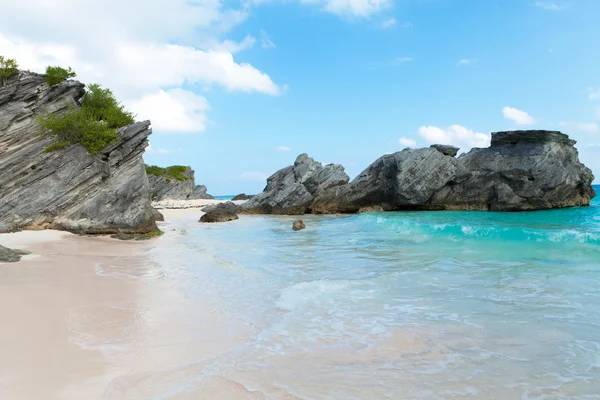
{"points": [[83, 314]]}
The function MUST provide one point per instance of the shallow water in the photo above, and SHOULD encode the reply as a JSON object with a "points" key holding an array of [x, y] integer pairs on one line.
{"points": [[420, 305]]}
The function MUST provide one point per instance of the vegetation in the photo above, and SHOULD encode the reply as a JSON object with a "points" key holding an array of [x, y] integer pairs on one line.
{"points": [[56, 74], [175, 172], [8, 68], [93, 125]]}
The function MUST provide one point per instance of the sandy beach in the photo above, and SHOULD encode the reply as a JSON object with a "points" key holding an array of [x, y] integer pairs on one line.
{"points": [[81, 313]]}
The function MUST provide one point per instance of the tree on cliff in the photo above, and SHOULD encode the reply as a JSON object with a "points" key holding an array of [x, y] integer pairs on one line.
{"points": [[56, 74], [8, 68]]}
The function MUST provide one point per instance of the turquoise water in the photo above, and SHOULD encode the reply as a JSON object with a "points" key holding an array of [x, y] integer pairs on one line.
{"points": [[423, 305], [226, 197]]}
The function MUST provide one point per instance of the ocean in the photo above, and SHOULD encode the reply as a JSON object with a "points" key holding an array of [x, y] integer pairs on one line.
{"points": [[398, 305]]}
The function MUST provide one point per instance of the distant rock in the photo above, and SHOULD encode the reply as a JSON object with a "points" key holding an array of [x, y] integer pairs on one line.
{"points": [[67, 189], [9, 255], [222, 212], [175, 183], [521, 170], [298, 225], [242, 196], [292, 190], [446, 149]]}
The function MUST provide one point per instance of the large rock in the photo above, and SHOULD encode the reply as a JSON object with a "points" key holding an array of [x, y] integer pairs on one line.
{"points": [[10, 255], [222, 212], [170, 188], [403, 180], [292, 190], [521, 170], [242, 197], [67, 189]]}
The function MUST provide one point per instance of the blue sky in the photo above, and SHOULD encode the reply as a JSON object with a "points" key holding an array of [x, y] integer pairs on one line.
{"points": [[241, 94]]}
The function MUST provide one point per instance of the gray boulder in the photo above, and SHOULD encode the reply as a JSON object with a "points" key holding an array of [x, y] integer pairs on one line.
{"points": [[446, 149], [170, 188], [298, 225], [67, 189], [241, 197], [292, 190], [521, 170], [222, 212], [10, 255]]}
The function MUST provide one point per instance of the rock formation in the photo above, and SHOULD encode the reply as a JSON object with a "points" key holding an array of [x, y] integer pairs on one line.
{"points": [[67, 189], [170, 188], [292, 190], [241, 197], [222, 212], [298, 225], [10, 255], [521, 170]]}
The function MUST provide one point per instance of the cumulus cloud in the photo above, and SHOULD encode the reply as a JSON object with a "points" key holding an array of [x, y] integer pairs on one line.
{"points": [[456, 135], [518, 116], [284, 149], [406, 142], [352, 8], [584, 127], [265, 40], [173, 111], [138, 48]]}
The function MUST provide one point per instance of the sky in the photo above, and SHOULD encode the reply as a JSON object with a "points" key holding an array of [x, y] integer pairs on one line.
{"points": [[237, 89]]}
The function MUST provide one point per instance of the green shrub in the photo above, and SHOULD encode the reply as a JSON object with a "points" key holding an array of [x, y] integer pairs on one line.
{"points": [[93, 125], [176, 172], [8, 68], [56, 75]]}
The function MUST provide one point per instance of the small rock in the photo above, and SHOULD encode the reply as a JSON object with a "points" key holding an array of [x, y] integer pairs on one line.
{"points": [[298, 225], [242, 196], [222, 212], [10, 255]]}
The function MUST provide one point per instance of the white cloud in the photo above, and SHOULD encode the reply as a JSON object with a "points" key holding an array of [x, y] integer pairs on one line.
{"points": [[547, 5], [161, 151], [464, 61], [594, 145], [456, 135], [388, 23], [584, 127], [593, 93], [265, 40], [400, 61], [406, 142], [173, 111], [518, 116], [138, 48], [598, 113], [284, 149], [352, 8], [255, 176], [406, 25]]}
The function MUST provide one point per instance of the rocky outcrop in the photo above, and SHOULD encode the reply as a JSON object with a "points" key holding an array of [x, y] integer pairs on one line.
{"points": [[67, 189], [298, 225], [242, 197], [292, 190], [170, 188], [222, 212], [10, 255], [521, 170]]}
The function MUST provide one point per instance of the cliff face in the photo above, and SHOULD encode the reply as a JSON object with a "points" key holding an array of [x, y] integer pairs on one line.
{"points": [[169, 188], [67, 189], [521, 170]]}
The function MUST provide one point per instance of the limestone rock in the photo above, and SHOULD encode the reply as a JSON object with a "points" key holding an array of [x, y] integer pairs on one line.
{"points": [[446, 149], [67, 189], [169, 188], [292, 190], [298, 225], [242, 196], [222, 212], [10, 255]]}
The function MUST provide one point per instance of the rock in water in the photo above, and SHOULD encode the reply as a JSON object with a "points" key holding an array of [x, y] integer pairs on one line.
{"points": [[298, 225], [222, 212], [242, 196], [170, 188], [10, 255], [521, 170], [292, 190], [67, 189]]}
